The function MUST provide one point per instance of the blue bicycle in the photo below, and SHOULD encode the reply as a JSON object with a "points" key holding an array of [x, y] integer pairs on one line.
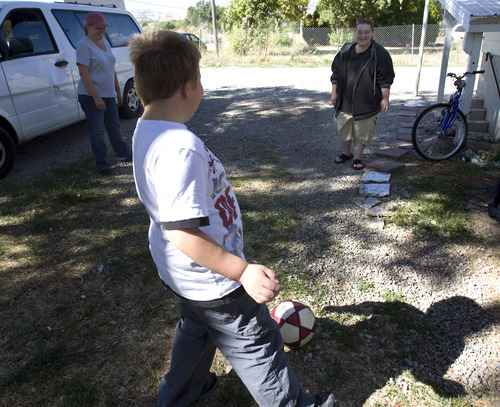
{"points": [[440, 130]]}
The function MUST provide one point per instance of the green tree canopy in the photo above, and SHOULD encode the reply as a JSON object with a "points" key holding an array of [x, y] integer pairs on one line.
{"points": [[346, 13], [201, 14], [259, 13], [407, 12]]}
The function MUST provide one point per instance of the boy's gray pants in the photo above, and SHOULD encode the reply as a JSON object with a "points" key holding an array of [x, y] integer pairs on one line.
{"points": [[250, 340]]}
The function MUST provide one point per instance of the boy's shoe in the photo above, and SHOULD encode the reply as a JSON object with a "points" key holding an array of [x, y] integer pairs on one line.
{"points": [[325, 400], [209, 386]]}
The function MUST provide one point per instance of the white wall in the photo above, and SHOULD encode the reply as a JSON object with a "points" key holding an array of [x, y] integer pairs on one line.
{"points": [[491, 43], [486, 87]]}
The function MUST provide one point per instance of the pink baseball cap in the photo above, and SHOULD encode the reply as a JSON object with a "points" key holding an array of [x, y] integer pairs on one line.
{"points": [[96, 19]]}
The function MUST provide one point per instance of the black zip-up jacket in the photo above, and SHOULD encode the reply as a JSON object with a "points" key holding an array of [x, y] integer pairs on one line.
{"points": [[376, 73]]}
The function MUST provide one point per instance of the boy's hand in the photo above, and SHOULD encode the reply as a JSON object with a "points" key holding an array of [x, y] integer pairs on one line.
{"points": [[260, 283]]}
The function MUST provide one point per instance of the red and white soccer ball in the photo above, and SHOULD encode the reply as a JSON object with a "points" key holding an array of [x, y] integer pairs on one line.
{"points": [[296, 322]]}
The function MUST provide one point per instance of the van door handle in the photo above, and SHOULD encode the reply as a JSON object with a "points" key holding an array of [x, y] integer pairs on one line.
{"points": [[61, 63]]}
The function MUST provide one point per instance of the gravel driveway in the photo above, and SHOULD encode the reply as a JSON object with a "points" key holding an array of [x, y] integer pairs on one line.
{"points": [[288, 111], [41, 155]]}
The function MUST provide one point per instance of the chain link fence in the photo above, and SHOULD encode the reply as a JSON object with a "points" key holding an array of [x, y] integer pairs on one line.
{"points": [[404, 38], [321, 44]]}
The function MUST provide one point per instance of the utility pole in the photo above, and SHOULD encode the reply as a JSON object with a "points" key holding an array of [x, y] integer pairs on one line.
{"points": [[214, 23]]}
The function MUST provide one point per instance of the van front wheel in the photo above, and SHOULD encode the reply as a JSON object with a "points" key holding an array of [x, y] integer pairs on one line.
{"points": [[131, 107], [7, 153]]}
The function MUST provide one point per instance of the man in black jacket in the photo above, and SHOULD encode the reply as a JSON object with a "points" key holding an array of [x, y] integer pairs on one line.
{"points": [[362, 75]]}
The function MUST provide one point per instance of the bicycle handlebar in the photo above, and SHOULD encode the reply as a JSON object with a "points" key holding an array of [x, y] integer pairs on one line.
{"points": [[453, 75]]}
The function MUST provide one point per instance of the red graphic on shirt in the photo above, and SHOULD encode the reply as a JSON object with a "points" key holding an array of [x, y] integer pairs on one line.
{"points": [[212, 160], [227, 210]]}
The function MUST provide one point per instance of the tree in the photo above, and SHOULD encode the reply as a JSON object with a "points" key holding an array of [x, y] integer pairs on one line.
{"points": [[201, 15], [407, 12], [291, 11], [312, 20], [261, 13], [346, 13]]}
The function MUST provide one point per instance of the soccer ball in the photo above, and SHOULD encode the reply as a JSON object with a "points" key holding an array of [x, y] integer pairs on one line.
{"points": [[296, 322]]}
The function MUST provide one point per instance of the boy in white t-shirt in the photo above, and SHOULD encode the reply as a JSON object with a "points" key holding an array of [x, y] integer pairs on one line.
{"points": [[196, 240]]}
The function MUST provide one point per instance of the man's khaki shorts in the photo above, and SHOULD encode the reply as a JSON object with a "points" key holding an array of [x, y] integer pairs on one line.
{"points": [[362, 130]]}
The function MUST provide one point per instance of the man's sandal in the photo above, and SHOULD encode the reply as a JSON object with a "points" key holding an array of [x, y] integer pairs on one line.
{"points": [[342, 158], [358, 164]]}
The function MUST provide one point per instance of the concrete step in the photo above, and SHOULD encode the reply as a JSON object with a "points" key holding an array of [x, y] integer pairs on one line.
{"points": [[374, 176], [390, 152], [383, 165], [407, 119], [405, 129], [408, 112], [376, 190], [479, 136], [482, 141], [407, 124], [400, 144], [478, 126], [477, 102], [404, 137], [477, 114]]}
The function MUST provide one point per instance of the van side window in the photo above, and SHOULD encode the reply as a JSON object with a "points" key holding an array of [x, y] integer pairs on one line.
{"points": [[121, 30], [71, 24], [118, 35], [27, 32]]}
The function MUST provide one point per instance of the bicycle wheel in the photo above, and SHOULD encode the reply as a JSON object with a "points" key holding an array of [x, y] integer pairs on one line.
{"points": [[431, 141]]}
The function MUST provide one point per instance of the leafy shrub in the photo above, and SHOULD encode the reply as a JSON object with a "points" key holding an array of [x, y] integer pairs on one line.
{"points": [[242, 41], [341, 37], [281, 39]]}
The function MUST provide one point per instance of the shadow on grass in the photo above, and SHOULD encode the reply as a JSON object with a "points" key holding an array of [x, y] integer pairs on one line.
{"points": [[393, 337], [80, 299], [357, 359]]}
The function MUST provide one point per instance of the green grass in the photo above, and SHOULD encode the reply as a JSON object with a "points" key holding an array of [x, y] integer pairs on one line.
{"points": [[81, 306], [365, 286], [438, 193], [390, 296], [305, 56]]}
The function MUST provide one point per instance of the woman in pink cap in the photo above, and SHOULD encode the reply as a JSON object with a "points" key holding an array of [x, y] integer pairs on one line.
{"points": [[99, 91]]}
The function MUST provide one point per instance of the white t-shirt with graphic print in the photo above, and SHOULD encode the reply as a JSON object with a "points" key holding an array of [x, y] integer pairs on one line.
{"points": [[182, 184]]}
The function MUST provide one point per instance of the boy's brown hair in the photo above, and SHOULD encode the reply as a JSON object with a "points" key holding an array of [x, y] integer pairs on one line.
{"points": [[163, 61]]}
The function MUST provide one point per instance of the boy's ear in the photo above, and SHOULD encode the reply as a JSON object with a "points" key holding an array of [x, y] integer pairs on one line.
{"points": [[186, 89]]}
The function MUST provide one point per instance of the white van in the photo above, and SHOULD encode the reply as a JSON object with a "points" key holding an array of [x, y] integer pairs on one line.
{"points": [[38, 71]]}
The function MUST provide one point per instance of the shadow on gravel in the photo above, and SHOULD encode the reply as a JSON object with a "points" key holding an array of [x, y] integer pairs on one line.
{"points": [[92, 269], [237, 124], [394, 336]]}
